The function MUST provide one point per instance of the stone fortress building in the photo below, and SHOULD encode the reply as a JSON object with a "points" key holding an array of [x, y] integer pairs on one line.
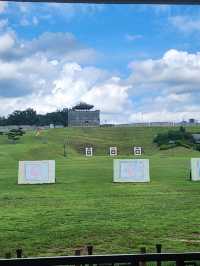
{"points": [[83, 115]]}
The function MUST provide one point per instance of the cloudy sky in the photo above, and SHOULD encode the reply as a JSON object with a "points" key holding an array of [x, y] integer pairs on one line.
{"points": [[133, 62]]}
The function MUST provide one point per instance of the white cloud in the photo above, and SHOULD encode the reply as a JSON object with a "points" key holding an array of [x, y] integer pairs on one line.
{"points": [[64, 86], [55, 71], [74, 81], [6, 42], [35, 20], [24, 22], [132, 37], [157, 90], [45, 76], [3, 24], [161, 8], [24, 7], [30, 14], [175, 69], [112, 95], [68, 11], [156, 9], [185, 24], [29, 21], [52, 45], [167, 88], [3, 6]]}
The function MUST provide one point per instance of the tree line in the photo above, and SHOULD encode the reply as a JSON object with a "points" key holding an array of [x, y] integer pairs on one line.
{"points": [[30, 117], [175, 138]]}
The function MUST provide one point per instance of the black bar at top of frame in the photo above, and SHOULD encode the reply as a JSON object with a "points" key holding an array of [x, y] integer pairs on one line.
{"points": [[159, 2]]}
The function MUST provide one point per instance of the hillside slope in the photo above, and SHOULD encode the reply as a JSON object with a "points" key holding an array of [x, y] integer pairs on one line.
{"points": [[49, 144]]}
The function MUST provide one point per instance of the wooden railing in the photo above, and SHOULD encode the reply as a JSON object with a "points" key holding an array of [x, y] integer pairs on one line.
{"points": [[179, 259]]}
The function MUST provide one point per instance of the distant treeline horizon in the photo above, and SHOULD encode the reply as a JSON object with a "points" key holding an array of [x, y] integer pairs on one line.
{"points": [[30, 117]]}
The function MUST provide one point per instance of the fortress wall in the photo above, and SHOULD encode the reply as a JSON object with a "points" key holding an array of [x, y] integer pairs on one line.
{"points": [[83, 118]]}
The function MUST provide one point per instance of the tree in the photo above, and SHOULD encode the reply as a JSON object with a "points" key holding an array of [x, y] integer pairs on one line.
{"points": [[182, 129], [30, 117], [25, 117], [59, 117], [63, 114], [174, 138], [3, 121], [15, 134]]}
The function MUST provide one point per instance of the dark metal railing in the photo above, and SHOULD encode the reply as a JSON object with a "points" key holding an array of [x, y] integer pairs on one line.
{"points": [[180, 259]]}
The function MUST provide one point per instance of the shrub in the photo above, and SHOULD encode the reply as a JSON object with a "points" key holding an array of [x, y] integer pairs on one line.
{"points": [[15, 134], [174, 138]]}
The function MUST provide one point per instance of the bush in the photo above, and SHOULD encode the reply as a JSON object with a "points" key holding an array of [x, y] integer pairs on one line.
{"points": [[15, 134], [175, 138]]}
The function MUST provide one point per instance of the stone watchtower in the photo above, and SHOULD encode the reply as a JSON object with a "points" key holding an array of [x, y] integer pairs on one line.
{"points": [[82, 115]]}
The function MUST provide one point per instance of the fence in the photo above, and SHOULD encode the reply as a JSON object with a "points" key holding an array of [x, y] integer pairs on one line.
{"points": [[140, 259], [180, 259]]}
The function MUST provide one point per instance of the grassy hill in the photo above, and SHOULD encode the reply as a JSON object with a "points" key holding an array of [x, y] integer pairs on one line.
{"points": [[85, 207]]}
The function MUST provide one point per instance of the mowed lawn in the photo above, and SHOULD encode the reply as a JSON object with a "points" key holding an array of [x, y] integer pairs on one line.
{"points": [[86, 207]]}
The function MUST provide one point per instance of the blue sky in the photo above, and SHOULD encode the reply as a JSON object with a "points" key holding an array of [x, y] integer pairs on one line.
{"points": [[134, 62]]}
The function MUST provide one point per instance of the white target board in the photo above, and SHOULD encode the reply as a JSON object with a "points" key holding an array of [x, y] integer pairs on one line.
{"points": [[36, 172], [89, 151], [113, 151], [131, 170], [137, 150], [195, 169]]}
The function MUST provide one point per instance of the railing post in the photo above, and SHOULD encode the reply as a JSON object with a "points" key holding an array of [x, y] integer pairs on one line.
{"points": [[158, 250], [19, 253], [90, 250], [77, 253], [142, 251]]}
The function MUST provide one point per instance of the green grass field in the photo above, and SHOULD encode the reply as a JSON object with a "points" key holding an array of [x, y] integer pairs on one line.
{"points": [[85, 207]]}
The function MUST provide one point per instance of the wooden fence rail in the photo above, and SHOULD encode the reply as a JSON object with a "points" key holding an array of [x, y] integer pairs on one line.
{"points": [[180, 259]]}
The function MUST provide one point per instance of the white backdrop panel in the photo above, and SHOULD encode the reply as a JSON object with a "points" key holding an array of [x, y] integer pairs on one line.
{"points": [[131, 170], [195, 169], [36, 172]]}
